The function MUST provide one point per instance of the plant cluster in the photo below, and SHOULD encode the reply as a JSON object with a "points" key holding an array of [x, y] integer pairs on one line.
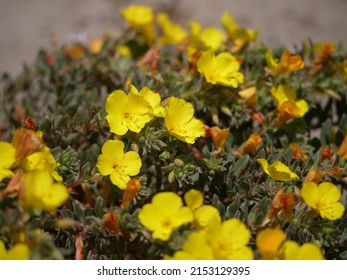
{"points": [[175, 143]]}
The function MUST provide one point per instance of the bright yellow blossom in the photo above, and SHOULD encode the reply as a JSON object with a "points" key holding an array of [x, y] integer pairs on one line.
{"points": [[269, 242], [195, 247], [205, 216], [272, 245], [127, 112], [119, 165], [287, 62], [141, 18], [137, 15], [153, 99], [222, 69], [229, 240], [288, 106], [40, 192], [179, 121], [308, 251], [164, 214], [324, 199], [239, 36], [172, 33], [251, 145], [42, 161], [208, 38], [17, 252], [277, 170], [8, 154]]}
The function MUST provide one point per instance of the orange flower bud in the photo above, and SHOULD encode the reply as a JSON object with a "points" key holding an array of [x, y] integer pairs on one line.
{"points": [[282, 201], [111, 222], [326, 152], [251, 145], [219, 136], [314, 175], [298, 153], [130, 192]]}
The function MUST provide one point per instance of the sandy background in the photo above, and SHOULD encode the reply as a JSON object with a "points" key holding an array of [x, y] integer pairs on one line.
{"points": [[25, 25]]}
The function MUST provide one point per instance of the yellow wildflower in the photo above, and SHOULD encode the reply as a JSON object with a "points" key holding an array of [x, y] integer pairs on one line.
{"points": [[172, 33], [205, 216], [288, 106], [277, 170], [222, 69], [137, 15], [324, 199], [308, 251], [272, 245], [240, 36], [127, 112], [153, 99], [250, 95], [209, 37], [40, 192], [251, 145], [164, 215], [17, 252], [229, 240], [8, 154], [287, 62], [195, 247], [42, 161], [141, 18], [119, 165], [123, 50], [269, 242], [179, 121]]}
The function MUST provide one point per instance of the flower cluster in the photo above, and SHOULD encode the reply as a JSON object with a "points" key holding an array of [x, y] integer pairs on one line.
{"points": [[175, 142]]}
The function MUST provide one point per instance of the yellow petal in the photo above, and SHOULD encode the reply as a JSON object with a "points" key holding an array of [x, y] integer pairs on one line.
{"points": [[121, 180], [308, 251], [194, 199], [328, 192], [113, 149], [183, 216], [303, 107], [309, 193], [18, 252], [167, 201], [281, 172], [269, 242], [264, 165], [132, 163]]}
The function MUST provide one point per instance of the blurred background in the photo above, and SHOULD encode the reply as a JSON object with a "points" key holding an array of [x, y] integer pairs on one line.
{"points": [[26, 25]]}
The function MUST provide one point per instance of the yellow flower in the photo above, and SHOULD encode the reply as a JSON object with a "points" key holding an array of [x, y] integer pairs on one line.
{"points": [[40, 192], [269, 242], [195, 247], [127, 112], [209, 37], [250, 95], [172, 32], [324, 199], [229, 240], [205, 216], [287, 62], [180, 123], [153, 99], [164, 215], [119, 165], [271, 245], [288, 106], [141, 18], [222, 69], [123, 50], [137, 15], [240, 36], [8, 154], [42, 161], [277, 170], [308, 251], [251, 145], [17, 252]]}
